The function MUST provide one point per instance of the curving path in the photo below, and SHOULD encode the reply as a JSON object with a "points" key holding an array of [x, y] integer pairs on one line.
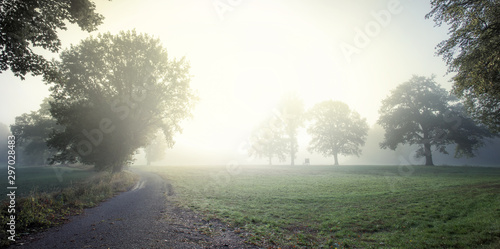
{"points": [[143, 217]]}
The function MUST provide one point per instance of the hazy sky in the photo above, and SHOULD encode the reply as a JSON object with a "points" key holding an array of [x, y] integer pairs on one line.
{"points": [[244, 54]]}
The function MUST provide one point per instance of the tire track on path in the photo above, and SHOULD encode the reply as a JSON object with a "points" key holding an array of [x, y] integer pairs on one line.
{"points": [[140, 218]]}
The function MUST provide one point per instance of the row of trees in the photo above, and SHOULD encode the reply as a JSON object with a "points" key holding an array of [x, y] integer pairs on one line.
{"points": [[110, 96], [472, 51], [112, 93], [436, 119], [417, 112]]}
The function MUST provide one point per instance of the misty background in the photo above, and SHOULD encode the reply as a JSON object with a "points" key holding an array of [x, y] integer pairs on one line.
{"points": [[246, 57]]}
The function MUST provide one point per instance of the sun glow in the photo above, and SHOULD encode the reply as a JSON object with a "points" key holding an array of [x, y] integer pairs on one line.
{"points": [[257, 90], [244, 64]]}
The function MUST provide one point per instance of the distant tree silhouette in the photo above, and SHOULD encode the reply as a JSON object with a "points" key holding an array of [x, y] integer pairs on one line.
{"points": [[291, 110], [421, 112], [336, 130], [113, 93], [269, 140], [28, 24]]}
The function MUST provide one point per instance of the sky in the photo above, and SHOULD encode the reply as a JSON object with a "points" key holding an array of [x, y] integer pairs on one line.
{"points": [[245, 54]]}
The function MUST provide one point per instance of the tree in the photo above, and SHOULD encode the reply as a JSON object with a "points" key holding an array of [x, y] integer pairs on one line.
{"points": [[473, 52], [113, 93], [291, 109], [32, 132], [336, 129], [155, 151], [269, 140], [421, 112], [29, 23]]}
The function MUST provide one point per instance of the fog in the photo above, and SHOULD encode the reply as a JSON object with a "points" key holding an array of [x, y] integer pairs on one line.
{"points": [[372, 155], [245, 57], [248, 124]]}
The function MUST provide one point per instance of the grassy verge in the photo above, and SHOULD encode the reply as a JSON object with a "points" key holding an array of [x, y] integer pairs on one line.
{"points": [[348, 206], [40, 210]]}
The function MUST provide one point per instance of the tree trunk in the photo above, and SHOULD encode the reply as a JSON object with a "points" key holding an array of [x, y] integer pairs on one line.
{"points": [[428, 154], [336, 159], [270, 161], [292, 152], [117, 168]]}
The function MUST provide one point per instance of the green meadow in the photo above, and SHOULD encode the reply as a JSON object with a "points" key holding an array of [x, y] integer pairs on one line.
{"points": [[346, 206], [43, 179]]}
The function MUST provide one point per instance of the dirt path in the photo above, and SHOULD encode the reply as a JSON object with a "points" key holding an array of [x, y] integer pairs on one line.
{"points": [[140, 218]]}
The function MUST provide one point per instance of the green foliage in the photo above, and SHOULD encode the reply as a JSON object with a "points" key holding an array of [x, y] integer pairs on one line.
{"points": [[28, 24], [473, 52], [269, 140], [349, 207], [421, 112], [291, 109], [113, 93], [32, 132], [336, 129]]}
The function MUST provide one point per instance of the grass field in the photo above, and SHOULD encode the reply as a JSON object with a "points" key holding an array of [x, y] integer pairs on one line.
{"points": [[44, 179], [348, 206], [47, 196]]}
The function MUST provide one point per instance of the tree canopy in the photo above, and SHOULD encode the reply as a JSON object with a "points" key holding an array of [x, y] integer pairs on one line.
{"points": [[420, 112], [473, 52], [28, 23], [113, 93], [336, 130]]}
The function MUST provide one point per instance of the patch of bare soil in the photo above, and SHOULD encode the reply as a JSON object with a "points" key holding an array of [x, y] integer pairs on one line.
{"points": [[187, 227]]}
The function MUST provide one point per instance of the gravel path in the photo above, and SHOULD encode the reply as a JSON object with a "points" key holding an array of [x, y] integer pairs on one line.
{"points": [[141, 218]]}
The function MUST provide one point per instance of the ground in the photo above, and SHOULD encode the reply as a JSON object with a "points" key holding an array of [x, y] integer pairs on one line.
{"points": [[141, 218], [292, 207]]}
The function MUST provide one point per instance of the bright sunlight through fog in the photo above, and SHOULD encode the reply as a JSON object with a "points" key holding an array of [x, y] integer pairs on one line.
{"points": [[250, 124], [245, 56]]}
